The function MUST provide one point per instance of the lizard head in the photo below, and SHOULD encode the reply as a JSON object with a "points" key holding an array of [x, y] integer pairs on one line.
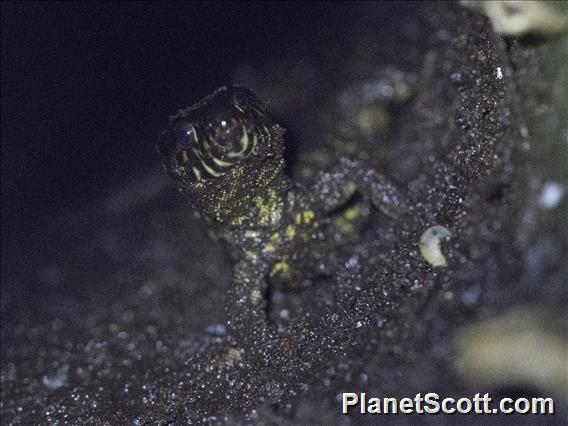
{"points": [[223, 146]]}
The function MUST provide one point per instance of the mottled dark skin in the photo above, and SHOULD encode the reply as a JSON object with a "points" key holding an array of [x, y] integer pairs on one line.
{"points": [[226, 155]]}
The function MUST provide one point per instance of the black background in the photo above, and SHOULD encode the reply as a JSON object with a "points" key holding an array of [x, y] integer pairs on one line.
{"points": [[86, 87]]}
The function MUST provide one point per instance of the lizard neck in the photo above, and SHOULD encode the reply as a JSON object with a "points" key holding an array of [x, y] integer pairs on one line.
{"points": [[245, 198]]}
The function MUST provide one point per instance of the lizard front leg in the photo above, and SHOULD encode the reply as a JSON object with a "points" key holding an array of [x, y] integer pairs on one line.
{"points": [[334, 188]]}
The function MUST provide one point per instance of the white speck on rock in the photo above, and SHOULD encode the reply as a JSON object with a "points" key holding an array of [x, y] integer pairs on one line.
{"points": [[551, 195], [55, 381]]}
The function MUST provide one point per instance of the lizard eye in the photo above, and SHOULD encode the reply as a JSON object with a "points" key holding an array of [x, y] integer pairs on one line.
{"points": [[185, 134], [241, 101]]}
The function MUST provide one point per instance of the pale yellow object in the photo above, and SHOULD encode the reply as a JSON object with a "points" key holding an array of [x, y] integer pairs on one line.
{"points": [[521, 17], [430, 245], [518, 348]]}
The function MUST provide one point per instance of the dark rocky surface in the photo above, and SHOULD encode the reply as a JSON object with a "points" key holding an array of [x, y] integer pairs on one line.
{"points": [[115, 299]]}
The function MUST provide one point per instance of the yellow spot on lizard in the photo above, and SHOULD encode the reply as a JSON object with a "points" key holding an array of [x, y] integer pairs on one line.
{"points": [[269, 208], [352, 214], [308, 216], [304, 217], [282, 269], [290, 232]]}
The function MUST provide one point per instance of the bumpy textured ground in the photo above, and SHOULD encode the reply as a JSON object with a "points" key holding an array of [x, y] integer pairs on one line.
{"points": [[118, 298]]}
